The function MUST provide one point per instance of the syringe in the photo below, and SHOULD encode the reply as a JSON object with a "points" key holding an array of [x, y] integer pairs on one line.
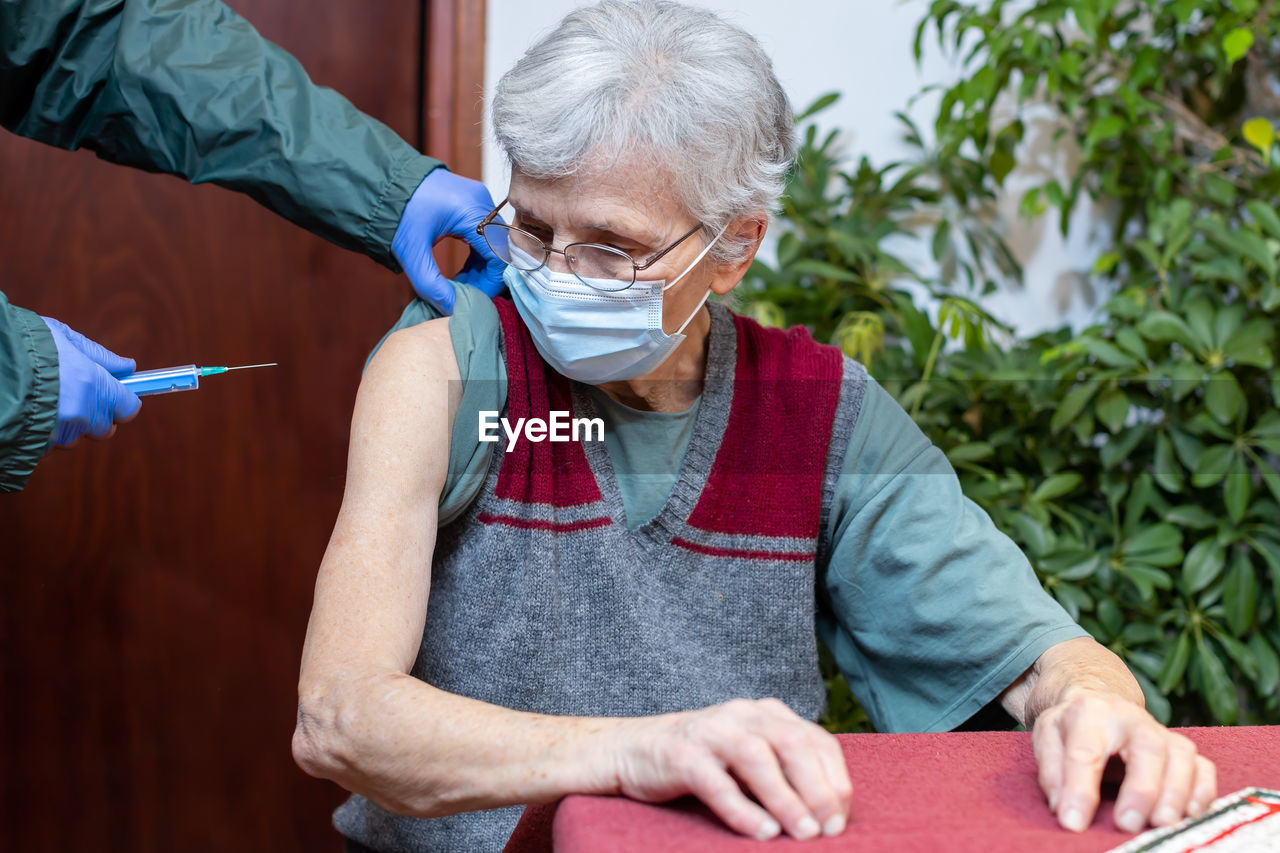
{"points": [[168, 379]]}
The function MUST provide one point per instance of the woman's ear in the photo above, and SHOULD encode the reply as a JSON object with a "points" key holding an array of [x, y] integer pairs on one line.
{"points": [[747, 231]]}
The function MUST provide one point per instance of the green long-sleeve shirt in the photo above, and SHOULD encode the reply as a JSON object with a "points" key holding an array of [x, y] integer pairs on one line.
{"points": [[190, 88]]}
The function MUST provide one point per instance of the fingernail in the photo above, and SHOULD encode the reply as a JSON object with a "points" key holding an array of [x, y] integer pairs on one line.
{"points": [[834, 826], [1130, 821], [1073, 820], [1195, 809], [806, 828], [768, 830], [1165, 816]]}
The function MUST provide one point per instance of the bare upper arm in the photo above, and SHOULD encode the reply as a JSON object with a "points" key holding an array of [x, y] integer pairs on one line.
{"points": [[371, 593]]}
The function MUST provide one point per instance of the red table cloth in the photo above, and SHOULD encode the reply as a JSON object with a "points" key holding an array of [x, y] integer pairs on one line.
{"points": [[957, 791]]}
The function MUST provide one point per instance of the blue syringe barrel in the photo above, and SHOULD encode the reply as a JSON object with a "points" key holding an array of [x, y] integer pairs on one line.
{"points": [[166, 380]]}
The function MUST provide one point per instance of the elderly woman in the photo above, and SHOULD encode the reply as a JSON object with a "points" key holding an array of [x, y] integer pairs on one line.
{"points": [[506, 622]]}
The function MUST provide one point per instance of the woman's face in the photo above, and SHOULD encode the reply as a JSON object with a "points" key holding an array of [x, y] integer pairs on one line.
{"points": [[631, 210]]}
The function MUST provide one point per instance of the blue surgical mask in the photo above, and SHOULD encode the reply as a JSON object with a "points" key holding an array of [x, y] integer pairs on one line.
{"points": [[597, 336]]}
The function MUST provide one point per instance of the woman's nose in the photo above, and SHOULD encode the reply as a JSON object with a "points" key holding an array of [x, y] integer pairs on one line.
{"points": [[556, 263]]}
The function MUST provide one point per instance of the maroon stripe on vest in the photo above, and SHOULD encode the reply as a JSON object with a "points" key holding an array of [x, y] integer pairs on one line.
{"points": [[742, 553], [766, 479], [538, 524], [554, 473]]}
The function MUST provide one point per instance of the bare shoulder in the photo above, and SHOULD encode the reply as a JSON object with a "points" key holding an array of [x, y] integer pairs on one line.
{"points": [[420, 352], [403, 414]]}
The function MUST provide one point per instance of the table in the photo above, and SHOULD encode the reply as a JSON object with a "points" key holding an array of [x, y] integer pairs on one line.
{"points": [[956, 791]]}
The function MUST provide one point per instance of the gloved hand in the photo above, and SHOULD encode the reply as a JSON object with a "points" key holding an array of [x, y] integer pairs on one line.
{"points": [[445, 203], [90, 398]]}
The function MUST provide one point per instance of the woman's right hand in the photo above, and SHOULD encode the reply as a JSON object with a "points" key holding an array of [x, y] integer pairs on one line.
{"points": [[793, 767]]}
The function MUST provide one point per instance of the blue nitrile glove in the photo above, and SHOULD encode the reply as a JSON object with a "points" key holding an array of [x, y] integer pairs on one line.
{"points": [[90, 399], [445, 203]]}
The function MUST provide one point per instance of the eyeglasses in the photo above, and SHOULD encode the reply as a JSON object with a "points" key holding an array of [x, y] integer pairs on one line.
{"points": [[600, 267]]}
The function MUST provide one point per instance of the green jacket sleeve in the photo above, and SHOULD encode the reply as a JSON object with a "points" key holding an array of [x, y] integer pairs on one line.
{"points": [[190, 88], [28, 393]]}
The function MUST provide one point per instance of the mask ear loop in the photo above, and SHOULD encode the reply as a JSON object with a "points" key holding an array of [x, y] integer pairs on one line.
{"points": [[696, 261], [701, 302]]}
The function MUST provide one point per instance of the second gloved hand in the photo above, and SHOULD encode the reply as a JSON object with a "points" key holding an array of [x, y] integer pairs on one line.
{"points": [[444, 204], [90, 398]]}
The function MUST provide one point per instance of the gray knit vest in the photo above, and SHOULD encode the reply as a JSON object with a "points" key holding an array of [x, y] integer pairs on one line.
{"points": [[542, 600]]}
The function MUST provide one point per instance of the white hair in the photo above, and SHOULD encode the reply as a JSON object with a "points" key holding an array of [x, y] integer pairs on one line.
{"points": [[660, 83]]}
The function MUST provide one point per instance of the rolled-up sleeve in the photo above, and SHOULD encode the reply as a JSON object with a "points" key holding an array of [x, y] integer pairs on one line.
{"points": [[28, 393], [190, 88], [931, 611]]}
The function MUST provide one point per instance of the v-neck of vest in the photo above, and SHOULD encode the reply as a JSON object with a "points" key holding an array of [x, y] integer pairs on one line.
{"points": [[708, 433]]}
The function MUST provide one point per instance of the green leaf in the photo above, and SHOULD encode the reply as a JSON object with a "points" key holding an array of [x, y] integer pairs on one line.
{"points": [[1072, 564], [1072, 598], [1147, 579], [822, 269], [789, 248], [1184, 10], [1107, 127], [1204, 563], [1271, 479], [1268, 664], [1131, 342], [973, 451], [1213, 465], [1156, 544], [1142, 634], [1236, 43], [1265, 215], [1157, 704], [1191, 515], [1112, 408], [1108, 353], [1185, 377], [1200, 322], [1239, 653], [1164, 326], [1224, 397], [1269, 551], [1175, 663], [1072, 404], [1249, 245], [1237, 489], [818, 105], [1226, 323], [1001, 164], [1188, 447], [1165, 467], [1056, 486], [765, 313], [1135, 508], [1220, 190], [1110, 616], [1259, 133], [1220, 692], [1240, 594], [1266, 432], [1251, 344], [1036, 536], [1121, 447]]}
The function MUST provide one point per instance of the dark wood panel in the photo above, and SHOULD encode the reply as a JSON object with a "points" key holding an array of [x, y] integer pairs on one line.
{"points": [[155, 587], [454, 90]]}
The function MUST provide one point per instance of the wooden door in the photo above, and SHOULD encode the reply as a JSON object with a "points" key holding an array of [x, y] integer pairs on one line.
{"points": [[154, 588]]}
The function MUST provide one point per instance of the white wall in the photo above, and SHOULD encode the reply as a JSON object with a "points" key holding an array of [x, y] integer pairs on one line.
{"points": [[861, 48]]}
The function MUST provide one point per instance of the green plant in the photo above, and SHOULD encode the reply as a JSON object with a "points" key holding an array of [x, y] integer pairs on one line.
{"points": [[1136, 461]]}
